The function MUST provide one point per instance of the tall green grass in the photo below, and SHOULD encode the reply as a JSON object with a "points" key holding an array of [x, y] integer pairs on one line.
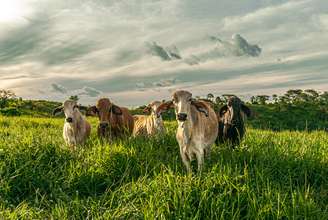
{"points": [[272, 175]]}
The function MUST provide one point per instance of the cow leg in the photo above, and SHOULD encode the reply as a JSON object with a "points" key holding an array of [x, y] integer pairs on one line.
{"points": [[185, 159], [200, 159], [207, 152]]}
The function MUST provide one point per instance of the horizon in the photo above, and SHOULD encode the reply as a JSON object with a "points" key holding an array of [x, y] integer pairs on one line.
{"points": [[135, 52]]}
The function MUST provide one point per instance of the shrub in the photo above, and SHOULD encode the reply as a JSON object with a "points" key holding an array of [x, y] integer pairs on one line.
{"points": [[10, 112]]}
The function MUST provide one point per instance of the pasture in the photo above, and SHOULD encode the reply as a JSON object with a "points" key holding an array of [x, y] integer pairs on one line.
{"points": [[272, 175]]}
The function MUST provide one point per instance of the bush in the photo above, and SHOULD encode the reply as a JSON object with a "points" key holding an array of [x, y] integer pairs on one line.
{"points": [[10, 112]]}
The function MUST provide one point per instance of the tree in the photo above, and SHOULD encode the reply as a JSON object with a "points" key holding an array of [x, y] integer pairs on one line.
{"points": [[312, 95], [295, 95], [324, 97], [262, 99], [218, 100], [74, 98], [6, 95], [210, 96], [254, 100], [226, 96], [275, 98]]}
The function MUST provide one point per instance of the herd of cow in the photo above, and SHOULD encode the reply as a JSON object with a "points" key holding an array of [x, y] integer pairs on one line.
{"points": [[199, 126]]}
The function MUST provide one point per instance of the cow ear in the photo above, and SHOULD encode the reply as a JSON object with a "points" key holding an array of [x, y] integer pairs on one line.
{"points": [[201, 107], [92, 111], [246, 110], [223, 109], [146, 109], [164, 107], [57, 110], [116, 110]]}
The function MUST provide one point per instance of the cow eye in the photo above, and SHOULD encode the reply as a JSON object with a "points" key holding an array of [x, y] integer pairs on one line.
{"points": [[190, 99]]}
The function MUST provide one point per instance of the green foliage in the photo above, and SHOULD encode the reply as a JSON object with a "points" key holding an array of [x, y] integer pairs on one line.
{"points": [[10, 112], [74, 98], [272, 175], [36, 108], [5, 96], [295, 110]]}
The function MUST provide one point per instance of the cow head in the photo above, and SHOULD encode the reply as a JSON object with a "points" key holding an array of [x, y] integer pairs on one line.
{"points": [[232, 111], [104, 110], [182, 102], [152, 107], [70, 109]]}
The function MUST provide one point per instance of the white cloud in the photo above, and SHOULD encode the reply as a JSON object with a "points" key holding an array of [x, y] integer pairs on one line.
{"points": [[101, 44]]}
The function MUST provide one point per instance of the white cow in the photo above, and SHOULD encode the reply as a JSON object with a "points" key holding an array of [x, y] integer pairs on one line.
{"points": [[76, 128], [197, 127]]}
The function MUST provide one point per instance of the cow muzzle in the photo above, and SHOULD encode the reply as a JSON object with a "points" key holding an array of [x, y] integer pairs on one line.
{"points": [[182, 116], [103, 125], [69, 119]]}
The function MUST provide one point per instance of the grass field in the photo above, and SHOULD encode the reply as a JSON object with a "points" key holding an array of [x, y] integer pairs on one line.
{"points": [[273, 175]]}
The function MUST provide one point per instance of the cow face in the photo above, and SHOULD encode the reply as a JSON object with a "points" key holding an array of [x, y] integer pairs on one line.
{"points": [[104, 110], [69, 108], [152, 108], [231, 112], [182, 102]]}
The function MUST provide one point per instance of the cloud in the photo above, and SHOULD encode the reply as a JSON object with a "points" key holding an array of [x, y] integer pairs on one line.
{"points": [[101, 45], [237, 47], [58, 88], [84, 92], [242, 47], [91, 92], [170, 53], [155, 85]]}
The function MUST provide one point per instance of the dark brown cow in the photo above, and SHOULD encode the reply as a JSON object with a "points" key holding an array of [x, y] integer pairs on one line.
{"points": [[231, 121], [114, 121]]}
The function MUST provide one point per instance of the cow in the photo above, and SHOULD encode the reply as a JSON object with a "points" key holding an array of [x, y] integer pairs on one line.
{"points": [[231, 121], [114, 121], [197, 127], [149, 125], [76, 128]]}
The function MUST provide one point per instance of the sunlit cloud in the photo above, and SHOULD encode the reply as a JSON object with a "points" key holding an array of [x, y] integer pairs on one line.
{"points": [[127, 50]]}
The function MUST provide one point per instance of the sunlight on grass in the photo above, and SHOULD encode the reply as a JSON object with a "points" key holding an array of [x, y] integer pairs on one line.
{"points": [[273, 175]]}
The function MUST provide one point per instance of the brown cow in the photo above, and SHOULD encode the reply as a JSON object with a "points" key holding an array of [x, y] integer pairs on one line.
{"points": [[114, 121], [149, 125]]}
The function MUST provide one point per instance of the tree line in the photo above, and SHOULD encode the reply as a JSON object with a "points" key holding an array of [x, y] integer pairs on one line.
{"points": [[296, 109]]}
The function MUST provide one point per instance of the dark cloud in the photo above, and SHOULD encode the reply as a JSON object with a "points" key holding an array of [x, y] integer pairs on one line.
{"points": [[238, 46], [244, 48], [192, 60], [141, 86], [91, 92], [170, 53], [58, 88], [85, 91]]}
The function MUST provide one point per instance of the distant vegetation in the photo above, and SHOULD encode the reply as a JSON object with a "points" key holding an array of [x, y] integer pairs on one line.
{"points": [[295, 110]]}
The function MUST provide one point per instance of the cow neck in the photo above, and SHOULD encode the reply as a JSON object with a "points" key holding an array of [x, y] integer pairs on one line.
{"points": [[155, 120], [186, 127], [77, 122]]}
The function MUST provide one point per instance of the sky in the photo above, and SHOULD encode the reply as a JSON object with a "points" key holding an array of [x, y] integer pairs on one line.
{"points": [[138, 51]]}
